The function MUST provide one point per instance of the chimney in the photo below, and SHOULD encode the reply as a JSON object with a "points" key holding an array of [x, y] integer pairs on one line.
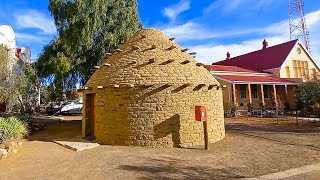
{"points": [[265, 44], [228, 55]]}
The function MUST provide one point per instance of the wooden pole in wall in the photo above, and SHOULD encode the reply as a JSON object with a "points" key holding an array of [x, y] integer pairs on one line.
{"points": [[262, 95], [250, 94], [286, 92], [206, 135], [234, 93], [275, 95]]}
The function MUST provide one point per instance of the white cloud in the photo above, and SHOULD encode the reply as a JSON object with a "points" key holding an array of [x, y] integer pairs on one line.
{"points": [[213, 53], [35, 20], [227, 6], [275, 34], [264, 3], [28, 38], [173, 11], [194, 31], [313, 22], [188, 31]]}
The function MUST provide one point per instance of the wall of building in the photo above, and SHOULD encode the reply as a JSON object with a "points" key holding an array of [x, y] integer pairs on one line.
{"points": [[276, 73], [299, 54], [164, 119], [226, 93], [256, 102]]}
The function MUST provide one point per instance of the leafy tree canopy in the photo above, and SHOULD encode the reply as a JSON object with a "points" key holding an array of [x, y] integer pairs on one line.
{"points": [[87, 30], [308, 96], [5, 74], [19, 83]]}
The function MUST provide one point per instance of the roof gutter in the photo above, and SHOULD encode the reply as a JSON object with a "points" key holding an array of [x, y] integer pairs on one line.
{"points": [[240, 73], [250, 82]]}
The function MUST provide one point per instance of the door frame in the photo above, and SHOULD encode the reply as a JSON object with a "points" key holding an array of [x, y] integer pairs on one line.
{"points": [[90, 115]]}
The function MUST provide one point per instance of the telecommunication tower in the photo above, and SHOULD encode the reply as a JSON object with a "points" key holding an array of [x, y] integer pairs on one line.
{"points": [[297, 21]]}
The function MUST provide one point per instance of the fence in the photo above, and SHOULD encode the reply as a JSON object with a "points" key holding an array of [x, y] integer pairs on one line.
{"points": [[276, 115]]}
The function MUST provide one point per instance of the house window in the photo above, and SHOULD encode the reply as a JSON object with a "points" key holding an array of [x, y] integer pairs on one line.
{"points": [[299, 50], [288, 72], [254, 92], [300, 69], [266, 92], [243, 91]]}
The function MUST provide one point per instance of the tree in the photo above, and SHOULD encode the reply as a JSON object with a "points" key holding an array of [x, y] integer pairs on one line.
{"points": [[19, 84], [4, 64], [308, 96], [27, 88], [5, 73], [87, 30]]}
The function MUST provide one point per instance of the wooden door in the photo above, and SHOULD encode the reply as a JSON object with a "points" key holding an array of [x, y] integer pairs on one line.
{"points": [[93, 108], [90, 116]]}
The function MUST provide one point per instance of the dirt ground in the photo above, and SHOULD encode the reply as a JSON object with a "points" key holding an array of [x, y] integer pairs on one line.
{"points": [[251, 148]]}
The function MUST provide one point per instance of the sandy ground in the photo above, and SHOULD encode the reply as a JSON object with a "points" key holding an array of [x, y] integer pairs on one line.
{"points": [[312, 175], [250, 149]]}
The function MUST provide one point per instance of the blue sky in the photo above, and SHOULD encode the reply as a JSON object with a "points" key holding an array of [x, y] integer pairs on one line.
{"points": [[208, 27]]}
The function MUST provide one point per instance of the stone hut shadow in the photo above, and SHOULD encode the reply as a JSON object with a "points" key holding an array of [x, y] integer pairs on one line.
{"points": [[169, 126]]}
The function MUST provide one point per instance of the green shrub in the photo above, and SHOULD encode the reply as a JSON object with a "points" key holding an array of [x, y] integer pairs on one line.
{"points": [[12, 127], [26, 118], [230, 110], [308, 96]]}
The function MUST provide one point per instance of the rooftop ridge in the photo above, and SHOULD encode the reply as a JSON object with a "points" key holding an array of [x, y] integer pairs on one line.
{"points": [[277, 45], [263, 59]]}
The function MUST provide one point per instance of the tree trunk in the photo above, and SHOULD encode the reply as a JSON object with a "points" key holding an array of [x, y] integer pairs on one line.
{"points": [[22, 106]]}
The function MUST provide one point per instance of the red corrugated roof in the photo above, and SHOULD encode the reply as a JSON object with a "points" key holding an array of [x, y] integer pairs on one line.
{"points": [[269, 58], [256, 79], [230, 69]]}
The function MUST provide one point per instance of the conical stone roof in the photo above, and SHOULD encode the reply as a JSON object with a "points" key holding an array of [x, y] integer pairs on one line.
{"points": [[145, 95], [149, 57]]}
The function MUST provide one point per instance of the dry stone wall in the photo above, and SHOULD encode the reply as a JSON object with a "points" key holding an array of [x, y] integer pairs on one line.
{"points": [[146, 93]]}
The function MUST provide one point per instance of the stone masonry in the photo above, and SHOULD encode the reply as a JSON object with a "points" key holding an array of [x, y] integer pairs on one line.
{"points": [[146, 93]]}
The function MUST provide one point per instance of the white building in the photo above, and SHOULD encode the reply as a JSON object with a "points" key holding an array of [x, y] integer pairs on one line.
{"points": [[8, 39]]}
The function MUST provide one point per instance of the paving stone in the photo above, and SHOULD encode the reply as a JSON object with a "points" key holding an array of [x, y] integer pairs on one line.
{"points": [[12, 146], [288, 173], [77, 146], [4, 153]]}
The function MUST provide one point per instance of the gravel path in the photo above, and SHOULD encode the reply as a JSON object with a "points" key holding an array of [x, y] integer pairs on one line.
{"points": [[249, 150]]}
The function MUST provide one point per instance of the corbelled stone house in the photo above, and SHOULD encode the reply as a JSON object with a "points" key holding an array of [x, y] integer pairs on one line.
{"points": [[145, 95], [265, 77]]}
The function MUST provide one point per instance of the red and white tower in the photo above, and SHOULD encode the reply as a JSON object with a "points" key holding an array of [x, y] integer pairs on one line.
{"points": [[297, 21]]}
